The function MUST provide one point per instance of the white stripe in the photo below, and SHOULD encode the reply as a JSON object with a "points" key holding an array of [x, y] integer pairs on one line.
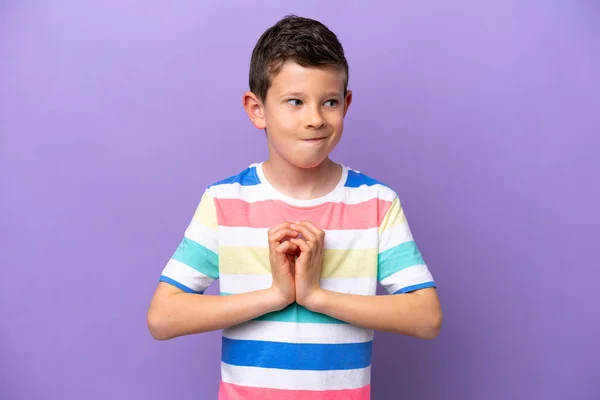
{"points": [[295, 379], [236, 191], [410, 276], [334, 239], [243, 237], [187, 275], [203, 235], [240, 283], [273, 331], [260, 192], [394, 236], [366, 193], [352, 239]]}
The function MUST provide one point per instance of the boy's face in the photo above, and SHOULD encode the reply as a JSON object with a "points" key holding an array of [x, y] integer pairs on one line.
{"points": [[303, 113]]}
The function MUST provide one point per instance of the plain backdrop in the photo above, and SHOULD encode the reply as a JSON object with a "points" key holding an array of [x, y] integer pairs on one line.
{"points": [[483, 116]]}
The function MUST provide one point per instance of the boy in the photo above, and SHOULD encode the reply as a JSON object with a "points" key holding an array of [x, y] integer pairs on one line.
{"points": [[298, 242]]}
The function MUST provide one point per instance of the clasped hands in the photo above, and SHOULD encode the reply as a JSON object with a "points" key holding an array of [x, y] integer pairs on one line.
{"points": [[296, 258]]}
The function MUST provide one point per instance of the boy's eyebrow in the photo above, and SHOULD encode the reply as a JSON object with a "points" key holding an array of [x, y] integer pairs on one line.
{"points": [[299, 94], [292, 94]]}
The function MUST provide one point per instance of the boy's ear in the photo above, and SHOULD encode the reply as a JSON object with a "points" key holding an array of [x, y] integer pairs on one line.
{"points": [[254, 109], [347, 101]]}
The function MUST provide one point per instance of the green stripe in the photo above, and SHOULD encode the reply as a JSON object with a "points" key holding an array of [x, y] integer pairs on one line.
{"points": [[198, 257], [397, 258], [296, 313]]}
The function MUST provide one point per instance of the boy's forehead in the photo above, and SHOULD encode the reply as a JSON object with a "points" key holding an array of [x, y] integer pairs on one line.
{"points": [[293, 77]]}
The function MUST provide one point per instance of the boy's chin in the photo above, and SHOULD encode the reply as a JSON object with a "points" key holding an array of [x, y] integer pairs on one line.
{"points": [[308, 163]]}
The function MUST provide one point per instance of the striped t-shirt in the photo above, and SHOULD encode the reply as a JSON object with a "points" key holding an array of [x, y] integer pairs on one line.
{"points": [[296, 354]]}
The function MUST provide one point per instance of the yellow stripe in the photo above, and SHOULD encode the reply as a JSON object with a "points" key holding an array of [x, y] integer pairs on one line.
{"points": [[336, 263], [394, 216], [206, 212]]}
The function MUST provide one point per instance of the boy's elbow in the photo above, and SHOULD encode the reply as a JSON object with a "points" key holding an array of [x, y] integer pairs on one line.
{"points": [[430, 312], [432, 326], [157, 325]]}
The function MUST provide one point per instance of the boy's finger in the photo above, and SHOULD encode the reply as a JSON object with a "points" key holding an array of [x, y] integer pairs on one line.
{"points": [[281, 233], [286, 247], [305, 231], [301, 244], [276, 228], [313, 228]]}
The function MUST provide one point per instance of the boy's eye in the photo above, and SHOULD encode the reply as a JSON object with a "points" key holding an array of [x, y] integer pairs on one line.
{"points": [[331, 103], [294, 102]]}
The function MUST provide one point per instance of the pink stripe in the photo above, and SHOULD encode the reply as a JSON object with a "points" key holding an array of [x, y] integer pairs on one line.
{"points": [[229, 391], [329, 216]]}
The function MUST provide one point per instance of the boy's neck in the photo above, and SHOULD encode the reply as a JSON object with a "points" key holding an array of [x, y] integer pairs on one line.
{"points": [[302, 183]]}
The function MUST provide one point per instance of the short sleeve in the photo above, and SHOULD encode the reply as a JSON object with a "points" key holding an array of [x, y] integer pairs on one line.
{"points": [[195, 264], [400, 265]]}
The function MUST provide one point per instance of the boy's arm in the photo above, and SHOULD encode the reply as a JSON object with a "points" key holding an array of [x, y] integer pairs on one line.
{"points": [[412, 308], [174, 313], [178, 309], [416, 314]]}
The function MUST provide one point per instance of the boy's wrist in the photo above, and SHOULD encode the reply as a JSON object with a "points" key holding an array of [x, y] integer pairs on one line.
{"points": [[276, 301], [316, 301]]}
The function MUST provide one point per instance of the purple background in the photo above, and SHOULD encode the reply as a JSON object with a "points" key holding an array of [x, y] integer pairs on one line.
{"points": [[484, 116]]}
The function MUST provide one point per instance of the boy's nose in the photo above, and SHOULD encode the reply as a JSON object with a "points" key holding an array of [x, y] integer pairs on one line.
{"points": [[315, 120]]}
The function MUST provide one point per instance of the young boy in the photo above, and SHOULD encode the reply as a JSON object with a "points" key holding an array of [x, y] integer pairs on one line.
{"points": [[298, 243]]}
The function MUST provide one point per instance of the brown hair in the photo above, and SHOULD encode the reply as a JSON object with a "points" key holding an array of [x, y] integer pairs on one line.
{"points": [[302, 40]]}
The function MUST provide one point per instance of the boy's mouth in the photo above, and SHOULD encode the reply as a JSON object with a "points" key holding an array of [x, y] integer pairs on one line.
{"points": [[314, 140]]}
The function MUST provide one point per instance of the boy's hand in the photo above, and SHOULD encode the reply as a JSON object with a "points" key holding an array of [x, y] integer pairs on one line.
{"points": [[309, 263], [282, 257]]}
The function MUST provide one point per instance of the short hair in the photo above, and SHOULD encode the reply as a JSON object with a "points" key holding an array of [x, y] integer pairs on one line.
{"points": [[303, 40]]}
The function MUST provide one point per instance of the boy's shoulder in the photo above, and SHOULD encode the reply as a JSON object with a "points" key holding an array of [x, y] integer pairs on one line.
{"points": [[363, 187], [247, 177], [356, 179], [245, 184]]}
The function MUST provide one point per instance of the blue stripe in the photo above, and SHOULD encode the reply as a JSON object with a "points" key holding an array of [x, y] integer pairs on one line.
{"points": [[198, 257], [247, 177], [418, 286], [181, 286], [296, 356], [397, 258], [356, 179], [296, 313]]}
